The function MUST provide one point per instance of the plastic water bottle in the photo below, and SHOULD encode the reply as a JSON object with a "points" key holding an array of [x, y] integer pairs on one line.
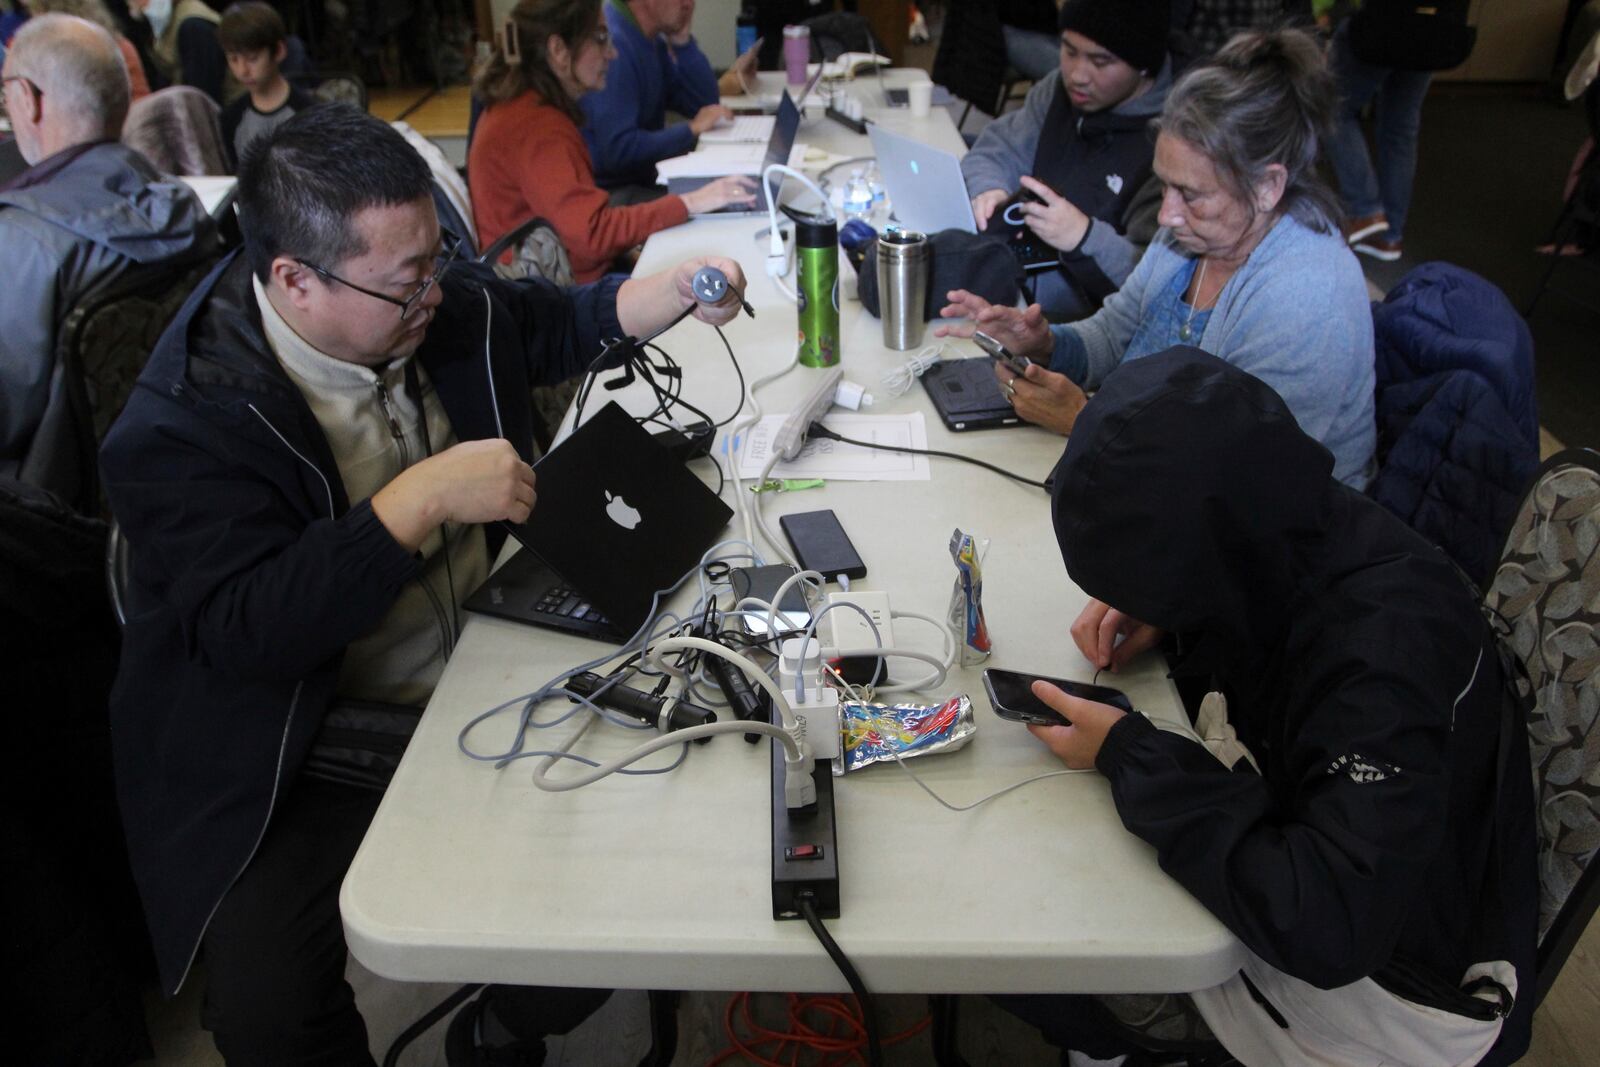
{"points": [[880, 196], [857, 196]]}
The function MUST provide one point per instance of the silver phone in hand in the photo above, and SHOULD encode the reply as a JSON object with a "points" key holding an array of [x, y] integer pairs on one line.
{"points": [[1017, 364]]}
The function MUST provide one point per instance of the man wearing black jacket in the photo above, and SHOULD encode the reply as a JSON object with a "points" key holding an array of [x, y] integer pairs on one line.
{"points": [[1357, 807], [307, 474]]}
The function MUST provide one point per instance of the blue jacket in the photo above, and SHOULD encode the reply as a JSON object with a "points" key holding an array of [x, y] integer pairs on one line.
{"points": [[1458, 431], [626, 129], [251, 570]]}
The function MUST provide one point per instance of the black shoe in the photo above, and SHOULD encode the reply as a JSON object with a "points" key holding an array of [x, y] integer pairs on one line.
{"points": [[476, 1039]]}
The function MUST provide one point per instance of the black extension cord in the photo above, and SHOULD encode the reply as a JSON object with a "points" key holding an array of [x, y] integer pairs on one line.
{"points": [[869, 1015], [819, 430]]}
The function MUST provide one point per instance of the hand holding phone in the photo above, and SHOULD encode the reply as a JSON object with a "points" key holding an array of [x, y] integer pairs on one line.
{"points": [[1017, 364], [1011, 696]]}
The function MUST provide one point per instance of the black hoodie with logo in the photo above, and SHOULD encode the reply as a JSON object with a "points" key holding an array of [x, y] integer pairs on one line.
{"points": [[1390, 832]]}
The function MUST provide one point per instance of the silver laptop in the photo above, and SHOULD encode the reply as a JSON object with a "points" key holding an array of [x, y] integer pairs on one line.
{"points": [[784, 129], [924, 183], [928, 193], [755, 128]]}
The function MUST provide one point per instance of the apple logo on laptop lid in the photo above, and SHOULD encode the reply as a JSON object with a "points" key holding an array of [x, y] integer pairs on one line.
{"points": [[621, 512]]}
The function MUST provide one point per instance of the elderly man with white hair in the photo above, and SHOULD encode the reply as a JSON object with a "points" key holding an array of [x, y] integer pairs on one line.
{"points": [[85, 215]]}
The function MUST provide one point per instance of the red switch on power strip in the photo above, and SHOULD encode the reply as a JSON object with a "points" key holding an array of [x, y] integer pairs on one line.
{"points": [[803, 852]]}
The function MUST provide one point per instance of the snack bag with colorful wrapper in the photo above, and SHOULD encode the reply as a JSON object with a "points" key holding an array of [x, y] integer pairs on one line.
{"points": [[966, 598], [877, 733]]}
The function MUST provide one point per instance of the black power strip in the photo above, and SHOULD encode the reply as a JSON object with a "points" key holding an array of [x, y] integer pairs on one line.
{"points": [[858, 125], [805, 849]]}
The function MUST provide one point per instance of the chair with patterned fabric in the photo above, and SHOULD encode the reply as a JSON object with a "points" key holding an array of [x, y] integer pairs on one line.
{"points": [[1547, 592], [103, 344]]}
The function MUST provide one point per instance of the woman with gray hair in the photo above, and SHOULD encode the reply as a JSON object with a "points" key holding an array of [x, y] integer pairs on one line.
{"points": [[1249, 264]]}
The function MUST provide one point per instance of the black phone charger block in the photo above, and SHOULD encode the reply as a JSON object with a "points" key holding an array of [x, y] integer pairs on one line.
{"points": [[692, 442]]}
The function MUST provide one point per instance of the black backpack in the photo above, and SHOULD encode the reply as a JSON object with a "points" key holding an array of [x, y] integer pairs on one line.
{"points": [[1412, 34]]}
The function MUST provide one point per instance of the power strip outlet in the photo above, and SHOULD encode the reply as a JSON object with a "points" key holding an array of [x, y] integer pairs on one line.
{"points": [[805, 847], [791, 436]]}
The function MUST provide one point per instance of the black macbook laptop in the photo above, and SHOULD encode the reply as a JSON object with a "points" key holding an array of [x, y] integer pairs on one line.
{"points": [[967, 396], [784, 130], [617, 519]]}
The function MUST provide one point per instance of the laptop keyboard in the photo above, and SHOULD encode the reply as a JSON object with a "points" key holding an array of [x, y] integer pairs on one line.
{"points": [[753, 129], [564, 602]]}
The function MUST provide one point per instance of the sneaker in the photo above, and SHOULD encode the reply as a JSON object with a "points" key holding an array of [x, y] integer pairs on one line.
{"points": [[1380, 248], [1365, 226]]}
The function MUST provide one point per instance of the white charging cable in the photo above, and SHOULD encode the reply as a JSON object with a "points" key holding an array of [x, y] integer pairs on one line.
{"points": [[777, 253]]}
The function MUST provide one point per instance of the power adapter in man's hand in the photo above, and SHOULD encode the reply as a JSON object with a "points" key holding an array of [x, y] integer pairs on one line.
{"points": [[692, 442]]}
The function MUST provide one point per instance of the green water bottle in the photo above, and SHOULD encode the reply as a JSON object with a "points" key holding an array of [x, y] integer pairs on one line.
{"points": [[817, 285]]}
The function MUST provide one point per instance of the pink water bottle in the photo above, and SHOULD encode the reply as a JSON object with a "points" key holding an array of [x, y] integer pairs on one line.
{"points": [[796, 53]]}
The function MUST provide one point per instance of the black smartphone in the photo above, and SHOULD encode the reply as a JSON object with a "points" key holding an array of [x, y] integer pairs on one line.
{"points": [[1018, 364], [1011, 696], [762, 583], [821, 545]]}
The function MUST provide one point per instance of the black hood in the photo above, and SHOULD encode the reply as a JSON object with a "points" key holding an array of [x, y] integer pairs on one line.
{"points": [[1189, 498]]}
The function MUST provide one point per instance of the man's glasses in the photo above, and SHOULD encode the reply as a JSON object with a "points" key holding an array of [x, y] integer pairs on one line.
{"points": [[451, 246], [601, 37]]}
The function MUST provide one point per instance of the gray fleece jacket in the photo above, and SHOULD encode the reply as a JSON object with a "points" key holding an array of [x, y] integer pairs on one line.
{"points": [[1009, 147], [72, 226]]}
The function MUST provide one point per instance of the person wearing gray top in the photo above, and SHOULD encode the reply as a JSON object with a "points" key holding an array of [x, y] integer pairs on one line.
{"points": [[1081, 145], [1249, 267]]}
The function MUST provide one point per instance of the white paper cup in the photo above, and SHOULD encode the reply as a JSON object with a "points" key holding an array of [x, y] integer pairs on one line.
{"points": [[920, 97]]}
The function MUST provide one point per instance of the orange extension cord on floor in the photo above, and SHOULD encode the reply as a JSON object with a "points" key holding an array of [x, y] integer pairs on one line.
{"points": [[843, 1042]]}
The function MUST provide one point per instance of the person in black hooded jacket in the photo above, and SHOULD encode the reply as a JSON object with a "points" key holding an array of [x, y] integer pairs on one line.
{"points": [[1359, 813]]}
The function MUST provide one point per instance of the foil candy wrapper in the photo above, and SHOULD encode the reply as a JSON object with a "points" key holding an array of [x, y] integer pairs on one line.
{"points": [[873, 733], [966, 599]]}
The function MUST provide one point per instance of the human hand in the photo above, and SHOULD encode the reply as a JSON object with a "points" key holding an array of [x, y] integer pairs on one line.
{"points": [[726, 308], [983, 206], [1042, 396], [1076, 745], [708, 117], [472, 482], [1095, 632], [1056, 220], [1023, 331], [720, 193]]}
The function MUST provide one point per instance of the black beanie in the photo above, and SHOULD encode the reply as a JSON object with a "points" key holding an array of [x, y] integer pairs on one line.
{"points": [[1135, 31]]}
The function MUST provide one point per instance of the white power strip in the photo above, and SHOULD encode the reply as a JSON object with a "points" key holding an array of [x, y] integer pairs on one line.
{"points": [[850, 630]]}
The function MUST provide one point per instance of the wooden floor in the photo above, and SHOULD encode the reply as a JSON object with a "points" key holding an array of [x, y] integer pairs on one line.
{"points": [[431, 112]]}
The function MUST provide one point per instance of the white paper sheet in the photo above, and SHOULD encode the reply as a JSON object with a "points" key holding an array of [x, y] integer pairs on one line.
{"points": [[821, 458]]}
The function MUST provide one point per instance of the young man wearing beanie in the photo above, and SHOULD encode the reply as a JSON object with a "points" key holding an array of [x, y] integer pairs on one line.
{"points": [[1081, 143]]}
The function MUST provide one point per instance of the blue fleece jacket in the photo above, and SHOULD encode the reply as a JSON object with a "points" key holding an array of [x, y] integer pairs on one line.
{"points": [[1295, 316], [626, 130]]}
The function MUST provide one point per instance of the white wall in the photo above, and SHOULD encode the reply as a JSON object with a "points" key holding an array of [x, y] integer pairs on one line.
{"points": [[1516, 40]]}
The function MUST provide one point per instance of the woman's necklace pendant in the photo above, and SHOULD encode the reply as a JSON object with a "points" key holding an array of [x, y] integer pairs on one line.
{"points": [[1185, 333]]}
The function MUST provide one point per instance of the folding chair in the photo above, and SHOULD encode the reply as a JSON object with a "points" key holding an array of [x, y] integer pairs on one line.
{"points": [[1547, 591]]}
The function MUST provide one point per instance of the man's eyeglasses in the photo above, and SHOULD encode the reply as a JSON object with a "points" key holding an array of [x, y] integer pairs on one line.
{"points": [[451, 246], [601, 37]]}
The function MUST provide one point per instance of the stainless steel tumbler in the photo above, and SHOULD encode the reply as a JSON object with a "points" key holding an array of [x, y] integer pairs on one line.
{"points": [[902, 286]]}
